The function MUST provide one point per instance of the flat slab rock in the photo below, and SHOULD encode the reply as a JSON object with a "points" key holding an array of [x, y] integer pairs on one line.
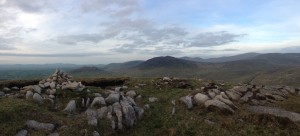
{"points": [[276, 112]]}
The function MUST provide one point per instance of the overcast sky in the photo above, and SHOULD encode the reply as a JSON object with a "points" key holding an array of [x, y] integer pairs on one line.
{"points": [[104, 31]]}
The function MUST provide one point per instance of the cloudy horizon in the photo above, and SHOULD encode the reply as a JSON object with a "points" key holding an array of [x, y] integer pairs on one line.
{"points": [[106, 31]]}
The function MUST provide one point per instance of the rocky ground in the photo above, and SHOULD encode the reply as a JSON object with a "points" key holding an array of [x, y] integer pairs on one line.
{"points": [[59, 105]]}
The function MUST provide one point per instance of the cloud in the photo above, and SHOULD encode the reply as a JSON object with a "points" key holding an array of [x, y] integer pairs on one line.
{"points": [[112, 6], [75, 39], [26, 6], [52, 55], [213, 39], [8, 43]]}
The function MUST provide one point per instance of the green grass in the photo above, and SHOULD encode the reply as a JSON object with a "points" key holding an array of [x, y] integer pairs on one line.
{"points": [[156, 121]]}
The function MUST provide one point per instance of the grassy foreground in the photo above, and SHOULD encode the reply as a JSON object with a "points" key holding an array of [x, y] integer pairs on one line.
{"points": [[157, 120]]}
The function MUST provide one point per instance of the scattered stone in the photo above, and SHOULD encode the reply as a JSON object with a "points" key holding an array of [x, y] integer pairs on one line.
{"points": [[211, 94], [22, 133], [232, 95], [40, 126], [212, 104], [52, 96], [153, 99], [6, 89], [71, 107], [37, 98], [200, 98], [15, 88], [295, 117], [146, 106]]}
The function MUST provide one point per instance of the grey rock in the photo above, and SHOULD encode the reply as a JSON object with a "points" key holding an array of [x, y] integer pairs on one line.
{"points": [[153, 99], [37, 89], [95, 133], [101, 112], [22, 133], [130, 100], [15, 88], [139, 111], [187, 100], [232, 95], [118, 111], [91, 117], [112, 98], [37, 98], [247, 96], [276, 112], [6, 89], [211, 104], [51, 91], [129, 113], [278, 98], [71, 107], [224, 95], [98, 101], [52, 96], [146, 106], [241, 89], [131, 93], [209, 122], [40, 126], [97, 95], [200, 98], [118, 89], [211, 94], [226, 101]]}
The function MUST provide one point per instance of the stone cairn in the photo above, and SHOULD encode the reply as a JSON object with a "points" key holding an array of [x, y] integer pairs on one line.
{"points": [[213, 97], [59, 80]]}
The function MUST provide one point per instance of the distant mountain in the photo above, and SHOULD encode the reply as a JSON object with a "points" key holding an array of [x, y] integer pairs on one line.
{"points": [[87, 69], [244, 56], [167, 62], [122, 66]]}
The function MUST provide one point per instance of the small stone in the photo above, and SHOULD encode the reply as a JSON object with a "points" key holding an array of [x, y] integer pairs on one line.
{"points": [[95, 133], [209, 122], [71, 107], [22, 133], [112, 98], [39, 126], [15, 88], [6, 89], [52, 96], [146, 106], [153, 99]]}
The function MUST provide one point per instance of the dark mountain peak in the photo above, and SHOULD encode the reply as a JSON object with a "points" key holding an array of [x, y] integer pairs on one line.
{"points": [[167, 62]]}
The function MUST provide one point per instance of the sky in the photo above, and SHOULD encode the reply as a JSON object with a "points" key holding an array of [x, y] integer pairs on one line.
{"points": [[106, 31]]}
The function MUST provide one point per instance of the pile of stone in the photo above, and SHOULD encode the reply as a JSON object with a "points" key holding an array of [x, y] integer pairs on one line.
{"points": [[58, 80], [118, 106], [214, 97]]}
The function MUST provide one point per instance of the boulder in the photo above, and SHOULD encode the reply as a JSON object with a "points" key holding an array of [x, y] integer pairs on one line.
{"points": [[129, 100], [29, 95], [98, 101], [241, 89], [37, 89], [295, 117], [187, 100], [37, 98], [22, 132], [51, 91], [216, 104], [113, 98], [200, 98], [153, 99], [6, 89], [71, 107], [224, 95], [211, 94], [40, 126], [131, 93]]}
